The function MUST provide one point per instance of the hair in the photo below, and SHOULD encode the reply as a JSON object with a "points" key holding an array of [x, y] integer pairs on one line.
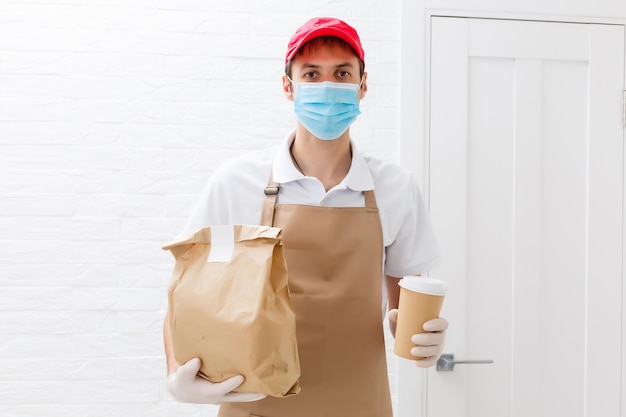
{"points": [[325, 42]]}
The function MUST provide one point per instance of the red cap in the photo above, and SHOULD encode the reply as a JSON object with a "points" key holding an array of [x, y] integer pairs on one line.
{"points": [[324, 26]]}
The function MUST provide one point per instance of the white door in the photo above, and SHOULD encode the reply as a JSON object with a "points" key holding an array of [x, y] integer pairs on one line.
{"points": [[526, 192]]}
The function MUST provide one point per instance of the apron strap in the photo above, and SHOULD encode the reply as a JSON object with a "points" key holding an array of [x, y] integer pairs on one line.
{"points": [[370, 199], [271, 192]]}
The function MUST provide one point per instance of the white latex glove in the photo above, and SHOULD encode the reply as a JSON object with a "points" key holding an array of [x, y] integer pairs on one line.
{"points": [[187, 387], [429, 344]]}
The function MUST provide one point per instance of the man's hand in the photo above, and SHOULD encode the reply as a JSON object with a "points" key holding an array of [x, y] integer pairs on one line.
{"points": [[187, 387], [429, 344]]}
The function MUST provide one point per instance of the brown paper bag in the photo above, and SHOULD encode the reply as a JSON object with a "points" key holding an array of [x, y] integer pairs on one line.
{"points": [[229, 305]]}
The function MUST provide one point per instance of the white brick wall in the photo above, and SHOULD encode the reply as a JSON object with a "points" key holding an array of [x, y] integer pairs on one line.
{"points": [[112, 115]]}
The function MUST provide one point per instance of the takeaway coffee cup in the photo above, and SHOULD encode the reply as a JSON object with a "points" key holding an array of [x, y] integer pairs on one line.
{"points": [[420, 300]]}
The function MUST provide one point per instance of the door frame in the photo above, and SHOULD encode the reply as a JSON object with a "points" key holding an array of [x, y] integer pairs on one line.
{"points": [[411, 382]]}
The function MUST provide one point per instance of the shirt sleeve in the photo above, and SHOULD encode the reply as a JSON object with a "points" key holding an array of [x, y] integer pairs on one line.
{"points": [[415, 249], [205, 212], [233, 193]]}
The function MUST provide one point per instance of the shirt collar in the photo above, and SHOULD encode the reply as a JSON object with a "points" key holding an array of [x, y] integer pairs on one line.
{"points": [[359, 177]]}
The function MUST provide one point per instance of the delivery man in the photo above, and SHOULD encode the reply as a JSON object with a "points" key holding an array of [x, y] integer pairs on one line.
{"points": [[352, 226]]}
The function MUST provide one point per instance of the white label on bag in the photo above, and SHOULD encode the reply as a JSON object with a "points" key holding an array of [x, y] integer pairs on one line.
{"points": [[222, 243]]}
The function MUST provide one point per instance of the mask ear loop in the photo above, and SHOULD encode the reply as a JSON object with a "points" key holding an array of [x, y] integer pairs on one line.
{"points": [[291, 83]]}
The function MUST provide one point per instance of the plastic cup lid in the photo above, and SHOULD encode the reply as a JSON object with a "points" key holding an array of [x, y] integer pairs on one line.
{"points": [[425, 285]]}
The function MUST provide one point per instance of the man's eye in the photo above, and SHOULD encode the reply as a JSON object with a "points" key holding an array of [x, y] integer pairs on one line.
{"points": [[343, 74], [309, 75]]}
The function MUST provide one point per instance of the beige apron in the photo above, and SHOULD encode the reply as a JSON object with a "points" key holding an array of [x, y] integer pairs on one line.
{"points": [[334, 259]]}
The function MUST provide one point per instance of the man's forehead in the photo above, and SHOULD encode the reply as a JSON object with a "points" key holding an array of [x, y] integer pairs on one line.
{"points": [[341, 64], [336, 55], [325, 45]]}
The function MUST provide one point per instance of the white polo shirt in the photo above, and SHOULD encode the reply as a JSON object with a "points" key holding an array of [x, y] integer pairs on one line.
{"points": [[234, 195]]}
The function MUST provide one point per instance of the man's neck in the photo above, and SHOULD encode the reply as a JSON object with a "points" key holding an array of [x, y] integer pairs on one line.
{"points": [[327, 160]]}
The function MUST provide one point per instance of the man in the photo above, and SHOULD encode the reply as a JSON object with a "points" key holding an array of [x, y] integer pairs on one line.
{"points": [[347, 221]]}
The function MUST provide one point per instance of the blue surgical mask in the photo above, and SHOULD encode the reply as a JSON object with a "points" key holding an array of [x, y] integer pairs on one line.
{"points": [[326, 109]]}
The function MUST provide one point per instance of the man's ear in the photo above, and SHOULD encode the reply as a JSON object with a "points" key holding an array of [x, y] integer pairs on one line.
{"points": [[363, 89], [287, 88]]}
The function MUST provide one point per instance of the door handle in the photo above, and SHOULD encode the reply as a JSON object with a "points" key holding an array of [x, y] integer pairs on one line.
{"points": [[446, 362]]}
